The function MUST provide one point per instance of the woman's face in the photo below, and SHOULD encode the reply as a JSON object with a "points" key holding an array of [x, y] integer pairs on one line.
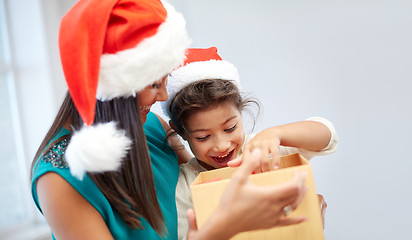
{"points": [[150, 95], [216, 135]]}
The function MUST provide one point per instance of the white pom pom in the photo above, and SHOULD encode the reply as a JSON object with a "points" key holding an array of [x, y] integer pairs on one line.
{"points": [[98, 148]]}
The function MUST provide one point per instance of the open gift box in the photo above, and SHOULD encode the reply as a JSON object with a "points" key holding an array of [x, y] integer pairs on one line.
{"points": [[207, 191]]}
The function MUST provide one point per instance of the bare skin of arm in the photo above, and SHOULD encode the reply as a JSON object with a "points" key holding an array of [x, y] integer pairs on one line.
{"points": [[69, 215], [183, 155], [309, 135]]}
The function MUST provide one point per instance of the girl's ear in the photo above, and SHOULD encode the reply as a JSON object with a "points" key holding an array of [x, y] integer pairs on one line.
{"points": [[174, 129]]}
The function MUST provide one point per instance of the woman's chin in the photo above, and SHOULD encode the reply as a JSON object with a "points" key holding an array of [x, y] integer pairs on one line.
{"points": [[143, 117]]}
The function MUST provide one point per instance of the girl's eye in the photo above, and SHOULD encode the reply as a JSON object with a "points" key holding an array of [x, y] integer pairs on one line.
{"points": [[202, 138], [231, 129]]}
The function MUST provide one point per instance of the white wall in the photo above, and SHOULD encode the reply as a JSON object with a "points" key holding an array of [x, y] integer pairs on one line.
{"points": [[40, 84], [348, 61], [35, 107], [31, 71]]}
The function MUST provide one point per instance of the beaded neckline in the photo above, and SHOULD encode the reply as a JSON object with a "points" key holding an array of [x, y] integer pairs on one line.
{"points": [[55, 155]]}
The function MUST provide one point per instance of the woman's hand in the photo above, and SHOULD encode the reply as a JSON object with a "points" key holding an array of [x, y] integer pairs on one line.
{"points": [[245, 206], [183, 156]]}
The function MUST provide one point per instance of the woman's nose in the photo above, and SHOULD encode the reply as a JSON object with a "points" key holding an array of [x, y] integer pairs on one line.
{"points": [[162, 94]]}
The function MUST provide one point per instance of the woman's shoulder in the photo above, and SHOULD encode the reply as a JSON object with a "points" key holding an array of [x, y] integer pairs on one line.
{"points": [[53, 159], [56, 154], [52, 164], [156, 130], [154, 125]]}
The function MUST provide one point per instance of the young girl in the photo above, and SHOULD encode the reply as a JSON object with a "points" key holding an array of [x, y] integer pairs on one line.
{"points": [[205, 108], [98, 173]]}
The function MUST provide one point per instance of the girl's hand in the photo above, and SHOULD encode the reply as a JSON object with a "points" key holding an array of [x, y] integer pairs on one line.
{"points": [[309, 135], [268, 142], [246, 207]]}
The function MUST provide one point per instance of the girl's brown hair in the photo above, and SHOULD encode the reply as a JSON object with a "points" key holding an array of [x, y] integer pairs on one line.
{"points": [[201, 95], [131, 190]]}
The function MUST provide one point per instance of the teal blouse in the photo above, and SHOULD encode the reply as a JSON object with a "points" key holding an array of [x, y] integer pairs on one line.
{"points": [[165, 170]]}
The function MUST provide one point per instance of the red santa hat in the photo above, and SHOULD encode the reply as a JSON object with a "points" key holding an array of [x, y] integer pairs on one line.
{"points": [[109, 49], [200, 64]]}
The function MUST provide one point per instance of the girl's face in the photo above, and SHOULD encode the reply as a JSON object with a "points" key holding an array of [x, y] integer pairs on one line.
{"points": [[216, 135], [150, 95]]}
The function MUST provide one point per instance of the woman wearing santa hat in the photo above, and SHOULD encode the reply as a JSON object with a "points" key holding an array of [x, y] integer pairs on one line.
{"points": [[98, 173]]}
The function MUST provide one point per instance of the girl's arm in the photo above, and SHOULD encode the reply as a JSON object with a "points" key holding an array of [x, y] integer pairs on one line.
{"points": [[246, 207], [69, 215], [309, 135]]}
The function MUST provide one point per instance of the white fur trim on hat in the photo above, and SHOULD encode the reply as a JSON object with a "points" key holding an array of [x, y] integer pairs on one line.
{"points": [[195, 71], [97, 148], [129, 71]]}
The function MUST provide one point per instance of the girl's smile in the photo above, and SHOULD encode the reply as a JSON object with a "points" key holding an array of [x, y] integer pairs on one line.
{"points": [[216, 135]]}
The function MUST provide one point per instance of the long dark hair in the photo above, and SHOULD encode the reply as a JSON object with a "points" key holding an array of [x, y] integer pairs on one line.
{"points": [[201, 95], [131, 190]]}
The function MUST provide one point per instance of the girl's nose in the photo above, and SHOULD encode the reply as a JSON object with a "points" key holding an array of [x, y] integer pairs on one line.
{"points": [[221, 144]]}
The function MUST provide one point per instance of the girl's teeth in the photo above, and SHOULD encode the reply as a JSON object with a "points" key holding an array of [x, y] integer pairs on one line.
{"points": [[223, 156]]}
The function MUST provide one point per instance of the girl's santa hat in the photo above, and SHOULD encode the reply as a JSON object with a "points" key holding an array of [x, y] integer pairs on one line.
{"points": [[110, 49], [200, 64]]}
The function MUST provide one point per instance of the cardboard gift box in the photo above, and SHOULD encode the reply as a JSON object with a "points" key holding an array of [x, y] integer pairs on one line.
{"points": [[207, 191]]}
